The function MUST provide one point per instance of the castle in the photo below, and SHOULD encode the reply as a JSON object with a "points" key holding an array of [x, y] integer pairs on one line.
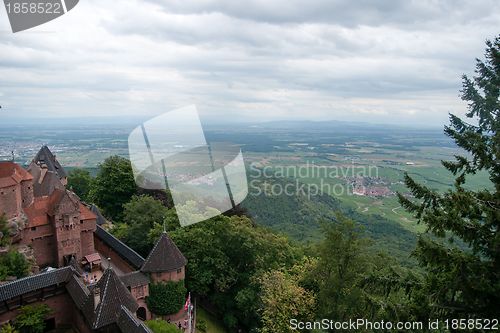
{"points": [[64, 237]]}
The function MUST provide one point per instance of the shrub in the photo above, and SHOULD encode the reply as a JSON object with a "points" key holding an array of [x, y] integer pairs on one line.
{"points": [[201, 325], [166, 298], [13, 264], [31, 319], [4, 231], [8, 329]]}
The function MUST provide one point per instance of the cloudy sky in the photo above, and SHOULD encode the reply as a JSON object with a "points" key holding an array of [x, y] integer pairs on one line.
{"points": [[375, 61]]}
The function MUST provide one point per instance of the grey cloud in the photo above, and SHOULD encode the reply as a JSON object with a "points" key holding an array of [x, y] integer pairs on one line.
{"points": [[341, 12], [378, 61]]}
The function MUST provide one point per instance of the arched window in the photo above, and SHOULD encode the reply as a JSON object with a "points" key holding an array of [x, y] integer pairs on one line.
{"points": [[141, 313]]}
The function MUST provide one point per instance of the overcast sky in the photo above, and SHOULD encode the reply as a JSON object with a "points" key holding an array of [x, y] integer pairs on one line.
{"points": [[376, 61]]}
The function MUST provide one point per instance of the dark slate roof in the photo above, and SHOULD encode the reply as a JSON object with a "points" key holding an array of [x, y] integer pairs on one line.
{"points": [[88, 308], [78, 291], [165, 257], [113, 296], [45, 186], [129, 324], [35, 282], [100, 219], [116, 305], [45, 156], [119, 247], [134, 279]]}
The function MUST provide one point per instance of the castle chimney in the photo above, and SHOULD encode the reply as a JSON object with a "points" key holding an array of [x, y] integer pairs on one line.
{"points": [[97, 296]]}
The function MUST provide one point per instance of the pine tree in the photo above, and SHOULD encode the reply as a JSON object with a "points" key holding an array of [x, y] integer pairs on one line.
{"points": [[464, 281]]}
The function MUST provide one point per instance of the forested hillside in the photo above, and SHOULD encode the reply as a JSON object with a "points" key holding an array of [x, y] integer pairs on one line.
{"points": [[301, 217]]}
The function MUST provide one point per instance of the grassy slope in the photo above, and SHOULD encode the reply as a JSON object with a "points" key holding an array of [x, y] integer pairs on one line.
{"points": [[213, 324]]}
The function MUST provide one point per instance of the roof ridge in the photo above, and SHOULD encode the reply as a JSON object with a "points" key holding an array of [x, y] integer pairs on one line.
{"points": [[101, 298], [152, 250], [138, 325], [113, 294]]}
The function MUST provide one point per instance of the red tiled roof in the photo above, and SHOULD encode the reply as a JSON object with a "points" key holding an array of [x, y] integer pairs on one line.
{"points": [[92, 257], [85, 213], [12, 174], [41, 207], [37, 212]]}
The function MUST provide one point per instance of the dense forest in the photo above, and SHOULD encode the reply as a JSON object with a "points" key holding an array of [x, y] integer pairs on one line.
{"points": [[301, 216], [256, 279]]}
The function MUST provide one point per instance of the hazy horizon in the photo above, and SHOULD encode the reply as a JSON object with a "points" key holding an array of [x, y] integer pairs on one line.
{"points": [[76, 121]]}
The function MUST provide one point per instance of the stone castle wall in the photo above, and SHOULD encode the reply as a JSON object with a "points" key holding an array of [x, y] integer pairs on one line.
{"points": [[175, 276], [10, 201]]}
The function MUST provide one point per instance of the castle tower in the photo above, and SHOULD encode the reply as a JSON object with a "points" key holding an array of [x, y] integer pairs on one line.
{"points": [[47, 161], [165, 262], [16, 189], [64, 210]]}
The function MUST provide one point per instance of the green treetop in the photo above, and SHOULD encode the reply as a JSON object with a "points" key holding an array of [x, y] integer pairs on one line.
{"points": [[460, 282]]}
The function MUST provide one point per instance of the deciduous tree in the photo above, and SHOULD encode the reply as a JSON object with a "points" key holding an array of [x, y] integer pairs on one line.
{"points": [[80, 182], [283, 298], [140, 215], [113, 186]]}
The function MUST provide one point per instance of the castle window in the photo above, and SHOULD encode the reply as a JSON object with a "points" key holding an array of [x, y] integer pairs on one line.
{"points": [[179, 270], [33, 228]]}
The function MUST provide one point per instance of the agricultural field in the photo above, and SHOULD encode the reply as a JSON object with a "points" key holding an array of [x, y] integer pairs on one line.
{"points": [[361, 166], [375, 164]]}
